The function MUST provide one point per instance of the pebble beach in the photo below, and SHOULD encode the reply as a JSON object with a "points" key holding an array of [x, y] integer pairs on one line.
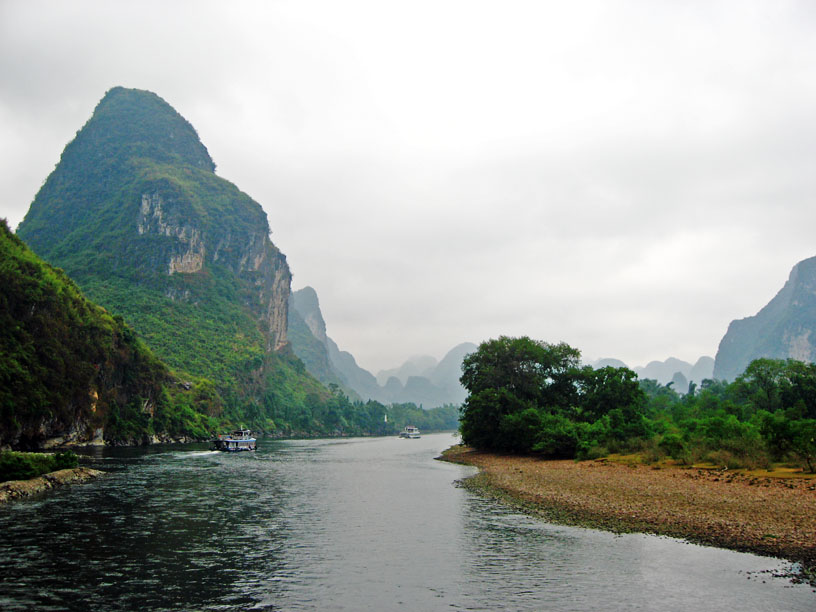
{"points": [[739, 511]]}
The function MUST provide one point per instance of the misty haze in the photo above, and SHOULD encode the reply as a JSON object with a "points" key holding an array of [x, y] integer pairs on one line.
{"points": [[407, 305]]}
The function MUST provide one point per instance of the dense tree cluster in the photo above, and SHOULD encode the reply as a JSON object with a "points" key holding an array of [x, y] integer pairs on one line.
{"points": [[532, 397], [66, 363], [339, 416], [768, 414], [529, 396]]}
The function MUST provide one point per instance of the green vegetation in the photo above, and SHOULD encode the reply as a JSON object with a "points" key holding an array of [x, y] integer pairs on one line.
{"points": [[68, 365], [533, 397], [22, 466], [341, 416], [135, 191]]}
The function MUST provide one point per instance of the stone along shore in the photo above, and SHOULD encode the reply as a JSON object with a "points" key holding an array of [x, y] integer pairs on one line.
{"points": [[768, 516], [14, 489]]}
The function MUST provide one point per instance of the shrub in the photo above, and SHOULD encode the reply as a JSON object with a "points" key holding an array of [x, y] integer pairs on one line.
{"points": [[22, 466], [672, 444]]}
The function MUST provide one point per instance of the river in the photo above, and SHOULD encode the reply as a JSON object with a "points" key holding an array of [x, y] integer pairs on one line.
{"points": [[344, 524]]}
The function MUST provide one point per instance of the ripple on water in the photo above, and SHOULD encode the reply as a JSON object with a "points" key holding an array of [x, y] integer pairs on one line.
{"points": [[370, 524]]}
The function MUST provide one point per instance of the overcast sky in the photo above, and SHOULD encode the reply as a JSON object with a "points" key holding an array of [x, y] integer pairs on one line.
{"points": [[627, 177]]}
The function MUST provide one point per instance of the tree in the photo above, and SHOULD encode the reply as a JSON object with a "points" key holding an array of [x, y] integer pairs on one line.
{"points": [[607, 389], [759, 384], [509, 376], [804, 442]]}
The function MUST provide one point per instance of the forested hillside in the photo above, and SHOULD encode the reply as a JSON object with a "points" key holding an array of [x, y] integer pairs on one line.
{"points": [[70, 372]]}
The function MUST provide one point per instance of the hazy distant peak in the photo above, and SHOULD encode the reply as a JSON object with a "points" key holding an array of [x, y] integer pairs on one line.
{"points": [[781, 329], [308, 296], [417, 365], [307, 304], [608, 362]]}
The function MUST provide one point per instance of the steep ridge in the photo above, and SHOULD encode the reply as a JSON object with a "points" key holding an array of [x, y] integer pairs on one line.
{"points": [[135, 214], [320, 354], [783, 329], [420, 380], [70, 373], [307, 333]]}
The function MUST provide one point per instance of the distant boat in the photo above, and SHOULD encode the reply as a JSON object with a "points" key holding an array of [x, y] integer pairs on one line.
{"points": [[239, 440], [410, 432]]}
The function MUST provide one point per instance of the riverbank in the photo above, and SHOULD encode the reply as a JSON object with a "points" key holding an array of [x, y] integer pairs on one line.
{"points": [[768, 516], [15, 489]]}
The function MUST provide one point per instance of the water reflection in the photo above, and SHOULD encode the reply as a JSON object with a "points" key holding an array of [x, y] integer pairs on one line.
{"points": [[365, 524]]}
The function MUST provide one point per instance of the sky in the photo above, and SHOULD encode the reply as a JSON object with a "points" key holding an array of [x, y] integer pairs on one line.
{"points": [[624, 176]]}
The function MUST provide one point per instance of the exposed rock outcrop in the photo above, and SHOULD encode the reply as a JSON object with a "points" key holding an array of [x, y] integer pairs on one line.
{"points": [[17, 489]]}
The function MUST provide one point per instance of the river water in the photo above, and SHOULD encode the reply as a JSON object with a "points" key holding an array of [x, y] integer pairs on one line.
{"points": [[359, 524]]}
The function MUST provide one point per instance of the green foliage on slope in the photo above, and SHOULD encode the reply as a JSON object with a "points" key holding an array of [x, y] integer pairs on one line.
{"points": [[67, 364], [312, 351]]}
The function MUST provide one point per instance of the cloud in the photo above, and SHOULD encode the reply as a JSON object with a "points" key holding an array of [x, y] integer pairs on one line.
{"points": [[625, 176]]}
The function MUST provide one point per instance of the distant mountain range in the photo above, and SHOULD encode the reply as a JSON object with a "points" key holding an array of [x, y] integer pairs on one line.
{"points": [[783, 329], [673, 370], [420, 380]]}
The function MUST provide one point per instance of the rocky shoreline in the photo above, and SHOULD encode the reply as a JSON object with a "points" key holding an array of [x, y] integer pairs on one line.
{"points": [[768, 516], [16, 489]]}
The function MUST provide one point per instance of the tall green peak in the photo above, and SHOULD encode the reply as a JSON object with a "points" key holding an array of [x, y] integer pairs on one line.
{"points": [[136, 216], [131, 134]]}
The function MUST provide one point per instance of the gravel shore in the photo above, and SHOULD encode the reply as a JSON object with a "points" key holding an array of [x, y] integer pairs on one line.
{"points": [[15, 489], [768, 516]]}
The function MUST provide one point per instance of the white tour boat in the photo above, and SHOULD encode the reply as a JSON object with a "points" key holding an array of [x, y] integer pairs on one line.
{"points": [[240, 440], [410, 432]]}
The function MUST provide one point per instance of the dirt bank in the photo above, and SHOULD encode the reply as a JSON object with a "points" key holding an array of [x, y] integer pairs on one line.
{"points": [[14, 489], [768, 516]]}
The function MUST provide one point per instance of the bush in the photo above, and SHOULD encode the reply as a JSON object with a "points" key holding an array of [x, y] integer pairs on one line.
{"points": [[735, 461], [591, 451], [65, 460], [22, 466], [558, 438], [672, 444]]}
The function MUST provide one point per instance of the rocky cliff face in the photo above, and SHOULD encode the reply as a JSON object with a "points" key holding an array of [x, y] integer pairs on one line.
{"points": [[187, 254], [783, 329], [250, 255]]}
